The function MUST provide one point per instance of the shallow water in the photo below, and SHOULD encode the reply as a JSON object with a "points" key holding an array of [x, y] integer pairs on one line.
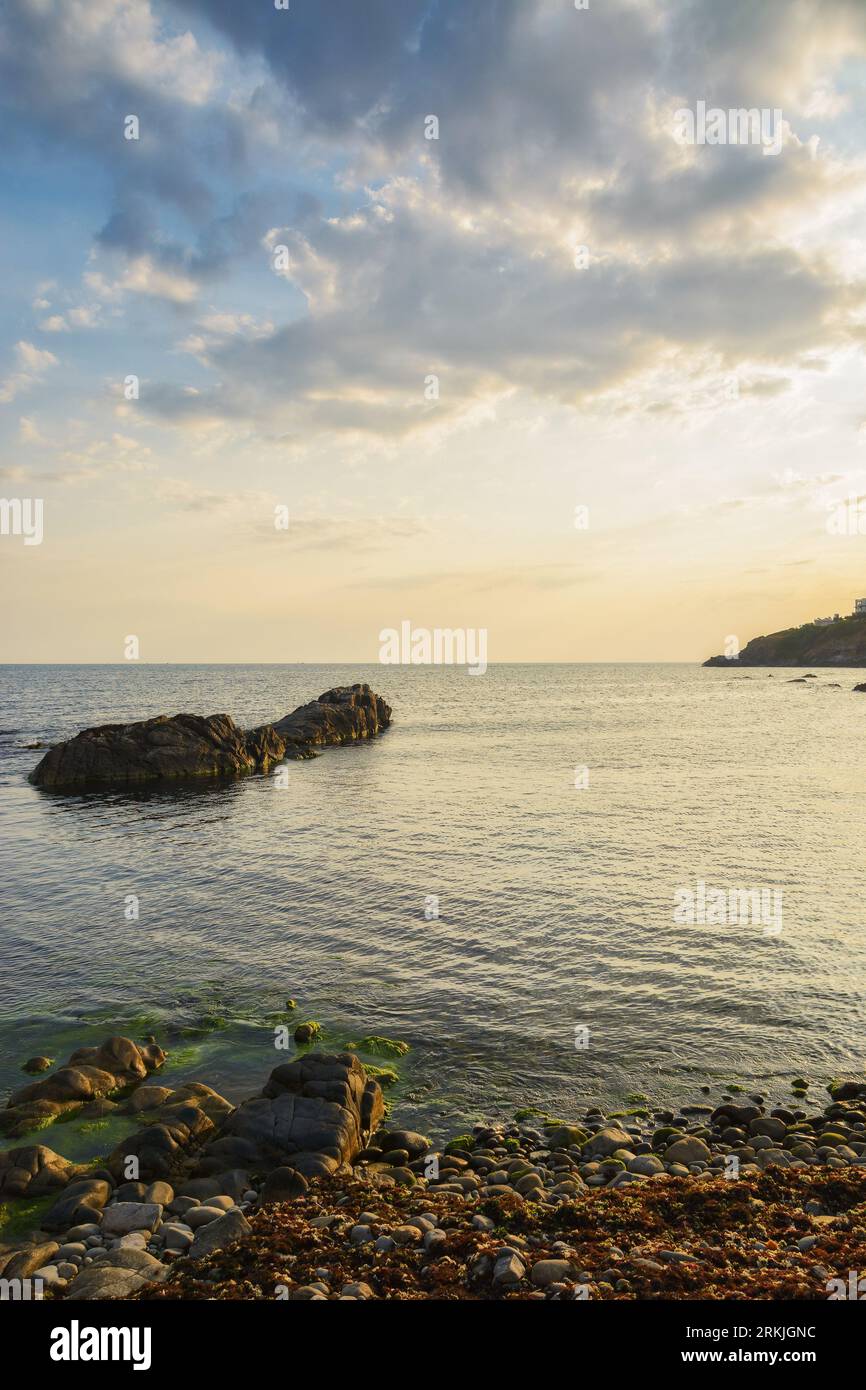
{"points": [[555, 903]]}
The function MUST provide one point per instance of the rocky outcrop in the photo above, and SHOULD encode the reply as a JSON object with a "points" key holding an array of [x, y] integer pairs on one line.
{"points": [[180, 1122], [313, 1116], [33, 1170], [90, 1075], [833, 644], [341, 715], [197, 746]]}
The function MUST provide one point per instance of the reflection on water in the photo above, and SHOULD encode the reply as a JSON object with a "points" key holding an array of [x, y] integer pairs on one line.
{"points": [[555, 903]]}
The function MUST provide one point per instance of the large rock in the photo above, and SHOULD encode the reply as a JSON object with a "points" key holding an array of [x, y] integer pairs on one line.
{"points": [[31, 1258], [847, 1090], [283, 1185], [185, 1119], [414, 1144], [185, 745], [193, 745], [313, 1115], [689, 1149], [123, 1217], [119, 1273]]}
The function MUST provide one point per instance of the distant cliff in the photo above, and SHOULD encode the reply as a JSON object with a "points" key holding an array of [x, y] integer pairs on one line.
{"points": [[834, 644]]}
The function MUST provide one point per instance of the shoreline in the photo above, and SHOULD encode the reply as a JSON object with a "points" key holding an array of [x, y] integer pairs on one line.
{"points": [[220, 1200]]}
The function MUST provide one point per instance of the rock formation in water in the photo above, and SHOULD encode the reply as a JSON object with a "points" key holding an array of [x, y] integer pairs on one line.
{"points": [[90, 1076], [192, 745], [814, 644]]}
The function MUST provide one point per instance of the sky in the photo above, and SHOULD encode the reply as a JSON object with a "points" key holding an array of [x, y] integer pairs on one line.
{"points": [[438, 281]]}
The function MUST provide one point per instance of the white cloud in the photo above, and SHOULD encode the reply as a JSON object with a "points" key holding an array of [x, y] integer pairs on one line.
{"points": [[33, 362]]}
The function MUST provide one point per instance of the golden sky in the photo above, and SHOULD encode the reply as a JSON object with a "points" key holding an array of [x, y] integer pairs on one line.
{"points": [[431, 352]]}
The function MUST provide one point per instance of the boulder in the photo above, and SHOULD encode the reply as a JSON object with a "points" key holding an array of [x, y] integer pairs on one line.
{"points": [[34, 1170], [117, 1274], [688, 1150], [771, 1127], [184, 745], [564, 1136], [31, 1258], [231, 1183], [414, 1145], [146, 1098], [341, 715], [77, 1204], [122, 1217], [34, 1065], [546, 1272], [314, 1114], [735, 1114], [184, 1119], [283, 1185], [847, 1090]]}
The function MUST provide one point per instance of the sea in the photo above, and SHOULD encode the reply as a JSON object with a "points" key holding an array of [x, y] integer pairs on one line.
{"points": [[498, 882]]}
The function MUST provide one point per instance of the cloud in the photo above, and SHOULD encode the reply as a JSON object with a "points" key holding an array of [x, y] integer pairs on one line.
{"points": [[485, 317], [33, 363], [456, 260], [28, 431]]}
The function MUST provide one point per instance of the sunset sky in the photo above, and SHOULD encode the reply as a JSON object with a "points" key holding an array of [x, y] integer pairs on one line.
{"points": [[695, 378]]}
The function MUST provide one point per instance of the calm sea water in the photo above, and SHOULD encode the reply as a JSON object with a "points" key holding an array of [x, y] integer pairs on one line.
{"points": [[555, 903]]}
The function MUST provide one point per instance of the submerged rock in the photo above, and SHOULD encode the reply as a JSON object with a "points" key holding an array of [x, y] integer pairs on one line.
{"points": [[91, 1074], [34, 1065], [193, 745]]}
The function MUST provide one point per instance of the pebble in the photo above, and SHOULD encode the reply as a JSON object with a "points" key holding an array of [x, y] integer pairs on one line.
{"points": [[407, 1235], [545, 1272], [357, 1291], [202, 1216], [508, 1269]]}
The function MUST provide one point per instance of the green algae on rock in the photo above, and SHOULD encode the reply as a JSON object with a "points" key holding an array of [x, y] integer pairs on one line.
{"points": [[380, 1047]]}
